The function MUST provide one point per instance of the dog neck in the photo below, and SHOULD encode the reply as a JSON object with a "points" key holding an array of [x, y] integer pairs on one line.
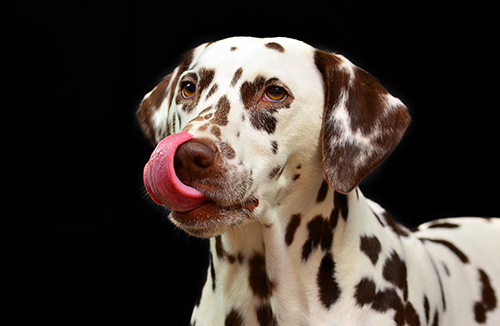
{"points": [[283, 268]]}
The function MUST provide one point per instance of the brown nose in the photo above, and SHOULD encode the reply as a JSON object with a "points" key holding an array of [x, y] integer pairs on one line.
{"points": [[193, 160]]}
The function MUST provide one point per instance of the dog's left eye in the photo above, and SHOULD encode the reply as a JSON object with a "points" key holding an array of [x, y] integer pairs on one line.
{"points": [[275, 94]]}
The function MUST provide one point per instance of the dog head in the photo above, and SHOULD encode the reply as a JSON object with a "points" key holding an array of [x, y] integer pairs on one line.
{"points": [[242, 121]]}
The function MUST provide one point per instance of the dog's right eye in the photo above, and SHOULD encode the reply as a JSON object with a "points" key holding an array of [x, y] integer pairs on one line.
{"points": [[188, 90]]}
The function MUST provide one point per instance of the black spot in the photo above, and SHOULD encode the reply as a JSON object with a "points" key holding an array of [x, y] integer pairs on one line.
{"points": [[488, 298], [293, 224], [427, 309], [329, 290], [323, 191], [450, 246], [365, 292], [320, 233], [397, 228], [411, 316], [234, 318], [265, 315], [395, 272], [259, 282], [371, 247], [212, 271], [444, 225], [339, 207], [274, 146], [274, 171]]}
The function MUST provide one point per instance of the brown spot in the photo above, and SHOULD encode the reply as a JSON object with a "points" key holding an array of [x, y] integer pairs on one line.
{"points": [[293, 224], [323, 191], [263, 120], [223, 107], [206, 77], [395, 272], [234, 318], [248, 90], [212, 90], [488, 298], [371, 247], [259, 282], [275, 46], [237, 76], [265, 315], [214, 130], [329, 290], [463, 258], [296, 176], [274, 146], [233, 48], [276, 171], [226, 150]]}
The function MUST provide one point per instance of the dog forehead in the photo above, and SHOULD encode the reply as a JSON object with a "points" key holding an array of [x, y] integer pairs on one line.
{"points": [[274, 57]]}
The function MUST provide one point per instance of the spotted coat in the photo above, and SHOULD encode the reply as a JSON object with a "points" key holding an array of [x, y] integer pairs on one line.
{"points": [[293, 241]]}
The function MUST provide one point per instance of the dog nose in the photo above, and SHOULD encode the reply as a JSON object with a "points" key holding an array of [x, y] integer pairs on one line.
{"points": [[193, 160]]}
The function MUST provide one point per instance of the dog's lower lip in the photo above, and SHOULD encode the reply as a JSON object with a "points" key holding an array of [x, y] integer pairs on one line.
{"points": [[210, 209]]}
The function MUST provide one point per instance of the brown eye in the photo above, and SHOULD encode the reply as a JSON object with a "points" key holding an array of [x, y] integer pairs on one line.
{"points": [[188, 90], [275, 94]]}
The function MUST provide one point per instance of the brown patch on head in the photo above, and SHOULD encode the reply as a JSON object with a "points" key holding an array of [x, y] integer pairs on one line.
{"points": [[275, 46], [212, 91], [248, 90], [237, 76], [223, 107], [226, 150], [206, 78], [259, 281]]}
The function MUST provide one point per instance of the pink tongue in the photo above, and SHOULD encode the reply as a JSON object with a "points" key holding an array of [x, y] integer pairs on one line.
{"points": [[162, 183]]}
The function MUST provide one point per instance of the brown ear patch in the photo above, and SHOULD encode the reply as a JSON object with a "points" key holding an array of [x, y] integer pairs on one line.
{"points": [[362, 122]]}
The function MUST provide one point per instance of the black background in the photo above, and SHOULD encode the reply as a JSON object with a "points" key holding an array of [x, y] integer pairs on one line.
{"points": [[108, 256]]}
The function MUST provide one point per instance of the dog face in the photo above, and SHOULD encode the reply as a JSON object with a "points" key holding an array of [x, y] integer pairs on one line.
{"points": [[263, 116]]}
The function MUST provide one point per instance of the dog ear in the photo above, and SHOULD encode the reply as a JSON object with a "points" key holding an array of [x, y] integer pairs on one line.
{"points": [[153, 112], [362, 122]]}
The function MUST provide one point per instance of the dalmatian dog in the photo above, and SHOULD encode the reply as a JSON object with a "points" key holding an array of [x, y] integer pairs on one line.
{"points": [[260, 146]]}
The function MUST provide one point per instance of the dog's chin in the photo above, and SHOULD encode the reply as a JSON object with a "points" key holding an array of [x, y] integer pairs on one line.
{"points": [[211, 219]]}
